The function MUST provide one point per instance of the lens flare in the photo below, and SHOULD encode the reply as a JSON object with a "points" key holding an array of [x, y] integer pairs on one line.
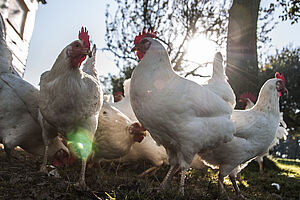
{"points": [[80, 143]]}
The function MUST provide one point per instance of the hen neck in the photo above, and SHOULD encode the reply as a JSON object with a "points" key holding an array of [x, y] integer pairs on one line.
{"points": [[62, 66], [218, 72], [156, 63], [268, 101]]}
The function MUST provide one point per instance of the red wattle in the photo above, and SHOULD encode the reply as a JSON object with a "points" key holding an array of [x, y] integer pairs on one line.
{"points": [[140, 55], [138, 139]]}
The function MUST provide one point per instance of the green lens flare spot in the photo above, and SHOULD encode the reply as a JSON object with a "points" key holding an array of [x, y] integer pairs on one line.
{"points": [[80, 145], [80, 142]]}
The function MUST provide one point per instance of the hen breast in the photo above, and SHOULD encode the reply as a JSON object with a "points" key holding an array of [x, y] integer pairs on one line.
{"points": [[70, 99]]}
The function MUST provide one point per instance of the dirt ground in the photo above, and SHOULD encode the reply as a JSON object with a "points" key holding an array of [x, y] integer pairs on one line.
{"points": [[20, 179]]}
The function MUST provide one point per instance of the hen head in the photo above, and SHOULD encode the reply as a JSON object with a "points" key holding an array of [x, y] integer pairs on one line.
{"points": [[280, 84], [79, 49], [138, 132], [142, 42], [118, 96], [63, 158], [245, 97]]}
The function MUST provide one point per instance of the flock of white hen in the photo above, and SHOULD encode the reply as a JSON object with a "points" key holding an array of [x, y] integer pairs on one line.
{"points": [[163, 117]]}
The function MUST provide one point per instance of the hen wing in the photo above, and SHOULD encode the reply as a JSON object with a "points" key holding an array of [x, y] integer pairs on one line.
{"points": [[248, 123], [26, 92]]}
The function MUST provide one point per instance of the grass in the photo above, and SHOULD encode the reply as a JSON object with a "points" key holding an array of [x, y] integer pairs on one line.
{"points": [[291, 167], [21, 180]]}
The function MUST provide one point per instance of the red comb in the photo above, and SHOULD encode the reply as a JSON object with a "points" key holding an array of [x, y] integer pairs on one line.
{"points": [[247, 95], [144, 34], [84, 36], [277, 75]]}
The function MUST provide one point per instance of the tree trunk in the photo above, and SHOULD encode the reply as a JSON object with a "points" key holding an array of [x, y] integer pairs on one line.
{"points": [[242, 64]]}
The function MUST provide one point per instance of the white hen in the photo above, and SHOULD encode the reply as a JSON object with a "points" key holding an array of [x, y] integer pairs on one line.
{"points": [[184, 117], [255, 130], [115, 134], [281, 133], [70, 100]]}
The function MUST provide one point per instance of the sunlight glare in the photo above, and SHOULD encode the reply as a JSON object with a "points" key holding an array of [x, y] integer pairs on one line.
{"points": [[201, 50], [80, 142]]}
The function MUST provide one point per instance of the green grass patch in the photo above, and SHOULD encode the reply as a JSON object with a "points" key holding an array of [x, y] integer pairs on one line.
{"points": [[290, 166]]}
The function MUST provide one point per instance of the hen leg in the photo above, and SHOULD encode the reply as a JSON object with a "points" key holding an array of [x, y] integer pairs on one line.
{"points": [[46, 143], [81, 183], [260, 163], [236, 188], [170, 174], [181, 186], [221, 185]]}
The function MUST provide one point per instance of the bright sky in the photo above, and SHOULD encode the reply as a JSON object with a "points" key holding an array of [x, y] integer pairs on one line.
{"points": [[56, 25], [58, 22]]}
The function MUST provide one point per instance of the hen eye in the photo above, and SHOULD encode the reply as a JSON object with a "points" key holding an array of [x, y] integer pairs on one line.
{"points": [[104, 112], [76, 45]]}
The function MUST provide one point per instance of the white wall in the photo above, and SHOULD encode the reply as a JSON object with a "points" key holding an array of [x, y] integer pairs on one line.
{"points": [[19, 44]]}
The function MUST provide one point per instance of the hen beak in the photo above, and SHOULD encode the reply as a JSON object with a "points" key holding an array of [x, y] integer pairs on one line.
{"points": [[86, 51], [133, 49], [90, 54]]}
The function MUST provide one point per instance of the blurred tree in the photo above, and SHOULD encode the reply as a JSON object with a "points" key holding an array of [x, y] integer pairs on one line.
{"points": [[286, 61], [42, 1], [242, 61], [290, 11], [175, 21]]}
